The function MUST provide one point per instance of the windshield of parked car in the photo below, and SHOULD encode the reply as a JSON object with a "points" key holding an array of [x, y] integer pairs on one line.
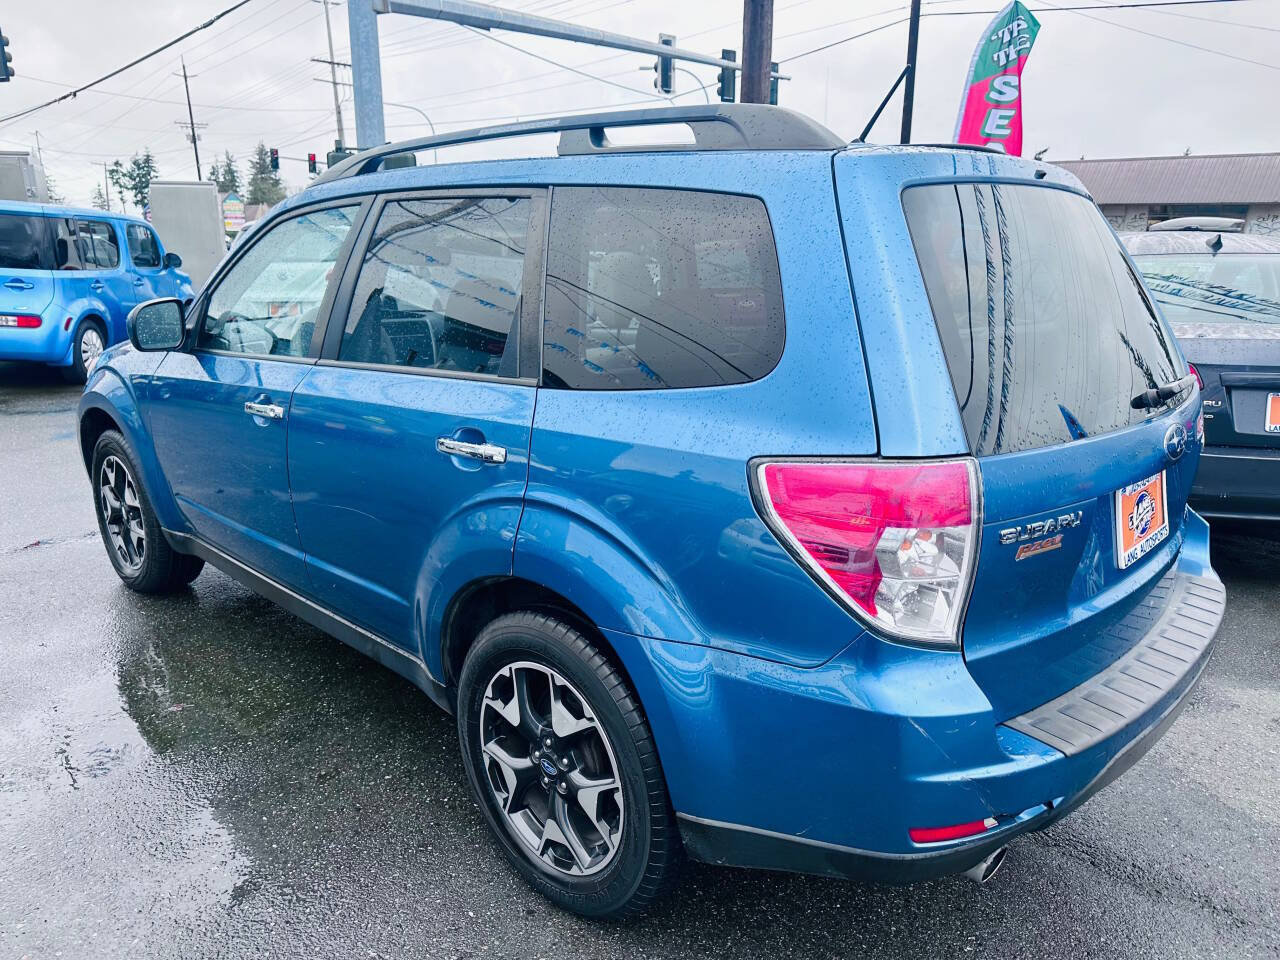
{"points": [[1226, 289]]}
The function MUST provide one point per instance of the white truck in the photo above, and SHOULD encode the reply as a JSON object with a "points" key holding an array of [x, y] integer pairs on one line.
{"points": [[22, 177], [188, 216]]}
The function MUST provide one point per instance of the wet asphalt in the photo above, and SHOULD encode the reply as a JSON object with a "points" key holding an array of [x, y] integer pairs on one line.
{"points": [[206, 776]]}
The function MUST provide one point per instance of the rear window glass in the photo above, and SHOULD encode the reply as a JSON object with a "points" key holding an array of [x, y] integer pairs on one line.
{"points": [[1046, 331], [1203, 288], [651, 289], [24, 243]]}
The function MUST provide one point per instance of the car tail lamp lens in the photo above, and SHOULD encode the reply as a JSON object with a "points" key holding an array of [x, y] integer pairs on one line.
{"points": [[895, 542], [1196, 373], [22, 320]]}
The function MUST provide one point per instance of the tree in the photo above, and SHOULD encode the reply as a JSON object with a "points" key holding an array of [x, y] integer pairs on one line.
{"points": [[97, 199], [264, 183], [51, 189], [134, 178], [228, 176]]}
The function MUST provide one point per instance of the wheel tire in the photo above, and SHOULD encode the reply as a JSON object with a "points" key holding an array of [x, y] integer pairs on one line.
{"points": [[78, 372], [155, 567], [648, 851]]}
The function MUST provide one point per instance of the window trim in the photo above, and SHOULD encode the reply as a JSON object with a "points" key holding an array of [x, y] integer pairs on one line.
{"points": [[528, 323], [196, 315]]}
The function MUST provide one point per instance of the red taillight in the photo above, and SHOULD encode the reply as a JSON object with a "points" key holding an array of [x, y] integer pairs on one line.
{"points": [[894, 540], [23, 320], [956, 832], [1196, 373]]}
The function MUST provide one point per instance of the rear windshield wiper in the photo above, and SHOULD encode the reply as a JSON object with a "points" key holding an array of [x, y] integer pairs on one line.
{"points": [[1159, 394]]}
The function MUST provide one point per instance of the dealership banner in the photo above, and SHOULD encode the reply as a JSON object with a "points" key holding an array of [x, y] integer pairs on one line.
{"points": [[991, 111]]}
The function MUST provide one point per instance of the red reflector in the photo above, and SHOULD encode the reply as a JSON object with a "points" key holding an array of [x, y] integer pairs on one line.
{"points": [[934, 834], [67, 325], [1196, 373], [28, 321]]}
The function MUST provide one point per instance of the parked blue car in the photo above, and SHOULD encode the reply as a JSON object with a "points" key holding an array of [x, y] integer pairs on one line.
{"points": [[69, 277], [769, 500]]}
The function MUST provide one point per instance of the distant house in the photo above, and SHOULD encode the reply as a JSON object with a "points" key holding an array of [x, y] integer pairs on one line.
{"points": [[1135, 192]]}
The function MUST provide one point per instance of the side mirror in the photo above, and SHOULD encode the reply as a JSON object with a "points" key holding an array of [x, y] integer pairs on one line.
{"points": [[157, 325], [172, 261]]}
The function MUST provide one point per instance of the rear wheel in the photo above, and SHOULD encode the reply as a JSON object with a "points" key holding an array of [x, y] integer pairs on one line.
{"points": [[136, 545], [564, 767], [89, 343]]}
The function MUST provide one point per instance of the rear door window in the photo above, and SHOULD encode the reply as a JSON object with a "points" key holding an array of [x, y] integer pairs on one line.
{"points": [[440, 286], [650, 289], [25, 243], [1046, 331], [96, 245]]}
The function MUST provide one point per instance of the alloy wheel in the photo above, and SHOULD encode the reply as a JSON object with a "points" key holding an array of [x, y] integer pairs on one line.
{"points": [[551, 769], [91, 346], [122, 513]]}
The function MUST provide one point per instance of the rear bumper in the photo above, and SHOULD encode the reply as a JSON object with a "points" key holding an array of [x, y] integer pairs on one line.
{"points": [[1238, 483], [47, 343], [825, 770]]}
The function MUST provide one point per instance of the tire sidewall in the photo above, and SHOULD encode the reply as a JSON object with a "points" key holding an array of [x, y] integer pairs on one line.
{"points": [[502, 643], [109, 444], [77, 372]]}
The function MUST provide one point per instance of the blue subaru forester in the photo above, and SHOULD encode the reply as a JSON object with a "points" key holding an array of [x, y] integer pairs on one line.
{"points": [[765, 499], [70, 276]]}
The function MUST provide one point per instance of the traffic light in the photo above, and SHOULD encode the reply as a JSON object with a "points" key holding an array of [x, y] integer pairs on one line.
{"points": [[311, 163], [728, 88], [665, 67], [773, 83], [6, 58], [275, 159]]}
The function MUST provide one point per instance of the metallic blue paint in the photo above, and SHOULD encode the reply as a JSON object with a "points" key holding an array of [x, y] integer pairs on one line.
{"points": [[771, 706], [65, 299]]}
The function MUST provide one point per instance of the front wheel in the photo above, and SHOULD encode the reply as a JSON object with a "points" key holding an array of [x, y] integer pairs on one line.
{"points": [[135, 543], [563, 765]]}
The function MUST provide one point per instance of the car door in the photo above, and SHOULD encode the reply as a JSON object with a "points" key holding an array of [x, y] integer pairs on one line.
{"points": [[220, 411], [408, 443], [150, 280], [102, 279]]}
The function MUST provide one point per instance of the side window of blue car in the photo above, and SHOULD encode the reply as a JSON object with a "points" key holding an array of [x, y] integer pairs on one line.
{"points": [[86, 245], [268, 302], [144, 249], [651, 289]]}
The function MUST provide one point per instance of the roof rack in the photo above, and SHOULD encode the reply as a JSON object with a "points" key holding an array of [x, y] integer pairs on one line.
{"points": [[730, 126]]}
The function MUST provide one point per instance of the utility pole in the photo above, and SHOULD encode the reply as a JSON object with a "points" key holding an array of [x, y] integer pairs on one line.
{"points": [[757, 50], [106, 185], [909, 91], [333, 72], [191, 118], [39, 154]]}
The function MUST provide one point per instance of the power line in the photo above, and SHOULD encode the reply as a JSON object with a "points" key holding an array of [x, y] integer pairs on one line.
{"points": [[132, 63], [1051, 8]]}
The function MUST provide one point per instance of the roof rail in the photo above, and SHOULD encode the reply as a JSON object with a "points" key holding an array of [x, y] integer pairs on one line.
{"points": [[730, 126]]}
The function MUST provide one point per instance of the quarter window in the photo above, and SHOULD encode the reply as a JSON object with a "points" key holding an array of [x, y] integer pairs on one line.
{"points": [[24, 244], [267, 303], [144, 249], [650, 289], [440, 286]]}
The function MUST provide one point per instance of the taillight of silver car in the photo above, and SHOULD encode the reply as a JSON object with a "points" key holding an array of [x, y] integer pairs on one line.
{"points": [[895, 542]]}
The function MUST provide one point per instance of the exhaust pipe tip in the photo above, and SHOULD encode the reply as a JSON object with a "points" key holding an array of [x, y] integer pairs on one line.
{"points": [[985, 869]]}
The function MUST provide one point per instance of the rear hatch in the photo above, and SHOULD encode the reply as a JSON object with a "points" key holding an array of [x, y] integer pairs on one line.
{"points": [[26, 267], [1049, 338], [1223, 301]]}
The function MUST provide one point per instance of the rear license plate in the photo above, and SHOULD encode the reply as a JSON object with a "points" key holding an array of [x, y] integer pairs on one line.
{"points": [[1271, 421], [1142, 519]]}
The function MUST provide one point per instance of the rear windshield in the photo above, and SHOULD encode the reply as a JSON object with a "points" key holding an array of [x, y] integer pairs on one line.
{"points": [[24, 243], [1230, 288], [1046, 331]]}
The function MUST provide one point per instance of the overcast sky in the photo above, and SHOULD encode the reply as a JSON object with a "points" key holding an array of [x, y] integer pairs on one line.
{"points": [[1098, 84]]}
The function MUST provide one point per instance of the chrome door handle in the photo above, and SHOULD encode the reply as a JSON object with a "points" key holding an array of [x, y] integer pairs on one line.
{"points": [[487, 452], [17, 283], [268, 410], [97, 286]]}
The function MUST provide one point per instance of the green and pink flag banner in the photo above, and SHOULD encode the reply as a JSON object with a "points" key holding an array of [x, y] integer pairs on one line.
{"points": [[991, 111]]}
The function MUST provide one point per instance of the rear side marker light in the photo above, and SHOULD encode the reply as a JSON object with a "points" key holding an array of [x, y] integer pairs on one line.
{"points": [[24, 321], [895, 542], [957, 832]]}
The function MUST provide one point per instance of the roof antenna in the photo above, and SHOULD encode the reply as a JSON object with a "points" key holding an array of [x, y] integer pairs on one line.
{"points": [[866, 131], [1214, 243]]}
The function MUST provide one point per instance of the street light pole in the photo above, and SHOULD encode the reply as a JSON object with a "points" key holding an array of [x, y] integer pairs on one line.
{"points": [[435, 154], [909, 91], [757, 50]]}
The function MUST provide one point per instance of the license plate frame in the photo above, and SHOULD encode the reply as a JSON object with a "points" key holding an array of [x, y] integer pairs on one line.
{"points": [[1271, 414], [1141, 511]]}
